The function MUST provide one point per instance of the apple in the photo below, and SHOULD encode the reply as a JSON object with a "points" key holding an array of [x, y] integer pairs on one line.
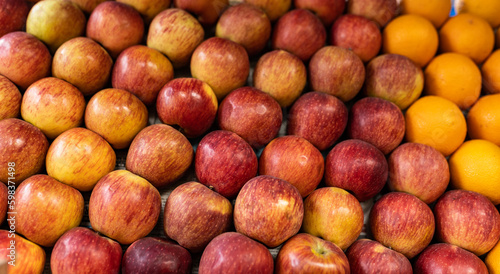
{"points": [[274, 9], [21, 255], [148, 8], [188, 103], [304, 253], [208, 11], [402, 222], [142, 71], [23, 148], [232, 252], [336, 71], [448, 258], [326, 10], [368, 256], [13, 15], [84, 63], [269, 210], [295, 160], [23, 58], [300, 32], [225, 162], [319, 118], [380, 11], [395, 78], [53, 106], [83, 250], [117, 115], [467, 219], [87, 6], [11, 96], [221, 63], [124, 206], [79, 158], [333, 214], [156, 255], [195, 214], [3, 202], [116, 26], [175, 33], [160, 154], [357, 33], [280, 74], [420, 170]]}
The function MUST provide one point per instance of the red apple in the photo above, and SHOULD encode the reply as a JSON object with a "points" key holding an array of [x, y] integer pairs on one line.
{"points": [[319, 118], [83, 250], [304, 253], [447, 258], [367, 256], [3, 202], [326, 10], [232, 252], [21, 255], [380, 11], [336, 71], [208, 11], [274, 9], [11, 98], [148, 8], [269, 210], [87, 5], [194, 215], [13, 15]]}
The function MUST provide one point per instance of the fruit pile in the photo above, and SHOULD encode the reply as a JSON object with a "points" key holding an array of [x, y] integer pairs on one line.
{"points": [[260, 136]]}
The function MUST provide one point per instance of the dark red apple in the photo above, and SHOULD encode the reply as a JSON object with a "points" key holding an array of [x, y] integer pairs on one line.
{"points": [[13, 15], [20, 255], [11, 96], [380, 11], [448, 258], [326, 10], [208, 11]]}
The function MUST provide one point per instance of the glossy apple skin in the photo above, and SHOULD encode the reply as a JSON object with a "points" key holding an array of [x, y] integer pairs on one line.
{"points": [[11, 98], [29, 257], [207, 11], [269, 210], [189, 103], [3, 202], [402, 222], [148, 8], [380, 11], [124, 206], [143, 72], [232, 252], [368, 256], [87, 6], [467, 219], [79, 158], [319, 118], [274, 9], [23, 58], [225, 162], [326, 10], [304, 253], [24, 145], [252, 114], [53, 105], [156, 255], [83, 250], [84, 63], [295, 160], [448, 258], [334, 215], [160, 154], [195, 214], [13, 15]]}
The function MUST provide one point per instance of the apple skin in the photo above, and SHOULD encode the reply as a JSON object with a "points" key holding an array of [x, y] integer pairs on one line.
{"points": [[380, 11], [83, 250], [333, 214], [368, 256], [87, 6], [448, 258], [304, 253], [189, 103], [295, 160], [269, 210], [299, 32], [117, 115], [336, 71], [156, 255], [175, 33], [208, 11], [24, 145], [29, 257], [84, 63], [402, 222], [319, 118], [274, 9], [225, 162], [420, 170], [23, 58], [326, 10], [13, 15], [11, 98], [79, 158], [195, 214], [148, 8], [160, 154], [232, 252], [281, 75], [221, 63], [124, 206], [53, 105], [467, 219], [3, 202], [142, 71]]}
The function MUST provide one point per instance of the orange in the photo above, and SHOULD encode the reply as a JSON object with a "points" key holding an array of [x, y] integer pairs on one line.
{"points": [[493, 260], [436, 122], [412, 36], [491, 72], [489, 10], [475, 166], [436, 11], [455, 77], [467, 34], [483, 119]]}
